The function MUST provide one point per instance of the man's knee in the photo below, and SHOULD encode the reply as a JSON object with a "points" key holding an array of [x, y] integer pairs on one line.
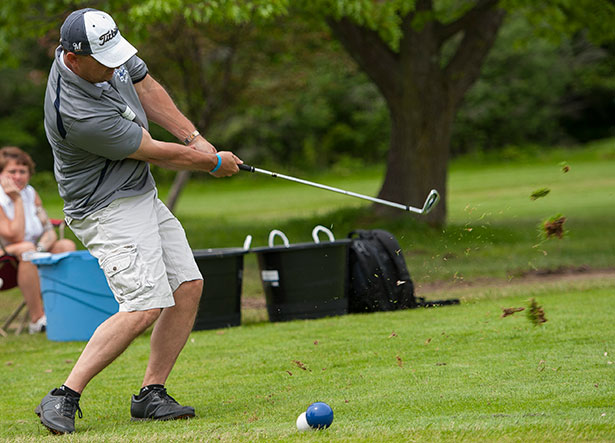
{"points": [[144, 319], [192, 289], [195, 287]]}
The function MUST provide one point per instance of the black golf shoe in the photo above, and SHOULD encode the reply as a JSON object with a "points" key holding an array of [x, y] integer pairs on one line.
{"points": [[158, 405], [57, 412]]}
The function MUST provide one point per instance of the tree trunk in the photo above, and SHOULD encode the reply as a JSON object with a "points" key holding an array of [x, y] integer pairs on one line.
{"points": [[180, 180], [418, 157], [421, 124], [422, 93]]}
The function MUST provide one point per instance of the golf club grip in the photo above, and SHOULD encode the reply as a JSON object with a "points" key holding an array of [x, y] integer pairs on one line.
{"points": [[245, 167]]}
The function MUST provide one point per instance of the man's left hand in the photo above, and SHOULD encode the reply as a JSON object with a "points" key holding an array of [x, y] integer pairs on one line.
{"points": [[200, 144]]}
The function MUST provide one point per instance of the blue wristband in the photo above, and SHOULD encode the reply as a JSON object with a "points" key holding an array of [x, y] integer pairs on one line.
{"points": [[217, 164]]}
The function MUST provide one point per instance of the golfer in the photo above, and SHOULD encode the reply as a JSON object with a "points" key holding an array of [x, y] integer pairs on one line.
{"points": [[98, 101]]}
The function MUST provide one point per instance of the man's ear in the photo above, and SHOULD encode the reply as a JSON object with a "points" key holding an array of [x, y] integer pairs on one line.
{"points": [[71, 56]]}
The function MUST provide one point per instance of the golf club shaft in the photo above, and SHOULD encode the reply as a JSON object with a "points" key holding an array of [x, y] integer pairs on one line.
{"points": [[330, 188]]}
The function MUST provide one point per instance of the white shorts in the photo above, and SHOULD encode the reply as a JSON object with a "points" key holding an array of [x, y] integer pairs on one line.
{"points": [[142, 249]]}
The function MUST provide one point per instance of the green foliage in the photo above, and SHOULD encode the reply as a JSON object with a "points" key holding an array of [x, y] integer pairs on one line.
{"points": [[301, 101], [219, 11], [534, 89], [44, 181], [557, 18], [311, 110], [21, 113], [517, 96], [383, 17], [589, 103]]}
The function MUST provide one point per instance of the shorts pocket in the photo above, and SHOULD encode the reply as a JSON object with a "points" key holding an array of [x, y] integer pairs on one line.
{"points": [[125, 273]]}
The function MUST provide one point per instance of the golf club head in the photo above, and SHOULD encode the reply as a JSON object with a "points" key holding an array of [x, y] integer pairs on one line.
{"points": [[431, 201]]}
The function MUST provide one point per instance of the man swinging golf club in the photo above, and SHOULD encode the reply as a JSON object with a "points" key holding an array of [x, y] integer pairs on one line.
{"points": [[98, 101]]}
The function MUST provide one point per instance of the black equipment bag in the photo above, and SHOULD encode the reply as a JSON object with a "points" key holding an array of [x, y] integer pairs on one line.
{"points": [[379, 279]]}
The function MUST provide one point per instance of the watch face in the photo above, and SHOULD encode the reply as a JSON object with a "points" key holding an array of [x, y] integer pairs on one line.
{"points": [[191, 137]]}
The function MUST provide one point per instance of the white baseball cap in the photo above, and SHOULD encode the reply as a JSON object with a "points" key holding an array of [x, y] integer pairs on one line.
{"points": [[92, 32]]}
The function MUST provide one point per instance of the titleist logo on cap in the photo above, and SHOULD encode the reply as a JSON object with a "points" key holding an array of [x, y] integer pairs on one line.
{"points": [[108, 36]]}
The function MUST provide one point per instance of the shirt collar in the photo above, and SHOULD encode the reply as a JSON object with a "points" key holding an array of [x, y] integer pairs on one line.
{"points": [[70, 77]]}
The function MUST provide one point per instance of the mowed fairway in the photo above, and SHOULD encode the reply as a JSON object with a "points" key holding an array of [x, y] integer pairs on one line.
{"points": [[450, 373], [444, 374]]}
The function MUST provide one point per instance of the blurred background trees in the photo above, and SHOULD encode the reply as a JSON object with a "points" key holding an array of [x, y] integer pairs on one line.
{"points": [[271, 82]]}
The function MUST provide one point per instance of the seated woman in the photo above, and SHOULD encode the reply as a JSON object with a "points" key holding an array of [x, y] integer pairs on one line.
{"points": [[24, 227]]}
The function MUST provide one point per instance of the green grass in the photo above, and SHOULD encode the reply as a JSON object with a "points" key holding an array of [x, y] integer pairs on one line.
{"points": [[453, 373]]}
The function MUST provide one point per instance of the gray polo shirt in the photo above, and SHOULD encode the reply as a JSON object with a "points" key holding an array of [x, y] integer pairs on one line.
{"points": [[92, 129]]}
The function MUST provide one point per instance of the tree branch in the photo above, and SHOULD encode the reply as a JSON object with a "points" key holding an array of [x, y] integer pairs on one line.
{"points": [[422, 6], [372, 54], [479, 35], [467, 20]]}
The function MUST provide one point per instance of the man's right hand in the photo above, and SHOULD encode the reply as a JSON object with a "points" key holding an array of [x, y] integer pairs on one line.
{"points": [[180, 157], [228, 165]]}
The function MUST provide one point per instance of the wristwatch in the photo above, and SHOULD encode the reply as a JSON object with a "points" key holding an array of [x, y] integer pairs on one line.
{"points": [[191, 137]]}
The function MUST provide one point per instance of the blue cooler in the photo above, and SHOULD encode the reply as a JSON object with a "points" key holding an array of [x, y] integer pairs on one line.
{"points": [[75, 294]]}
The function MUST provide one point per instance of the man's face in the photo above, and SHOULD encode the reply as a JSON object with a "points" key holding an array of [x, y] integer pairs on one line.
{"points": [[91, 70]]}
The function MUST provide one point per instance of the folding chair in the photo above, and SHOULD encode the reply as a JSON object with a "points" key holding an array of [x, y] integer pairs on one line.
{"points": [[59, 224], [8, 275], [8, 280]]}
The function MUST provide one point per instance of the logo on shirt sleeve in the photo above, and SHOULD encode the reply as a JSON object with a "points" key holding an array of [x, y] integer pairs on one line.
{"points": [[122, 74]]}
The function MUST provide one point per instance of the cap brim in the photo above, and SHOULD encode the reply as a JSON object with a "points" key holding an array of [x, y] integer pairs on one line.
{"points": [[117, 55]]}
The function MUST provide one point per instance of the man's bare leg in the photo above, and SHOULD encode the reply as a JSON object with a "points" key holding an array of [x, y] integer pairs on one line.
{"points": [[109, 340], [171, 332]]}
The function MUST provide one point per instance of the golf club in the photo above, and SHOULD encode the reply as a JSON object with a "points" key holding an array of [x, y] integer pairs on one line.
{"points": [[431, 200]]}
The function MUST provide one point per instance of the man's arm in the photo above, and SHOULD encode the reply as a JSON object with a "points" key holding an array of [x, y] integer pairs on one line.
{"points": [[176, 156], [160, 108]]}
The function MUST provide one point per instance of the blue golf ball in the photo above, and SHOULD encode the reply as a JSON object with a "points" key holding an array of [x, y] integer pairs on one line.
{"points": [[319, 415]]}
